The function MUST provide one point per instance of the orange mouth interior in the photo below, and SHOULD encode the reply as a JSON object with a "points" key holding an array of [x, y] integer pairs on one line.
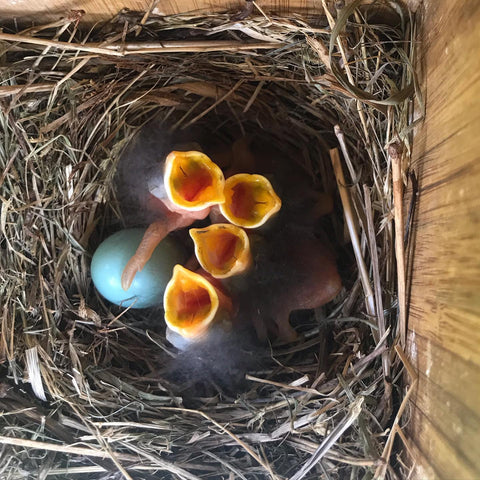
{"points": [[192, 180], [243, 204], [250, 200], [222, 249], [190, 303]]}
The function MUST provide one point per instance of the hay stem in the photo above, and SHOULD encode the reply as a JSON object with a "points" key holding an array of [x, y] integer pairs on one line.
{"points": [[234, 437], [214, 105], [378, 298], [8, 90], [387, 451], [348, 71], [312, 391], [352, 229], [123, 49], [17, 38], [354, 411], [53, 447]]}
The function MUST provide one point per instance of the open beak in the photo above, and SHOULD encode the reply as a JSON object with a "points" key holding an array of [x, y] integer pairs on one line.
{"points": [[222, 249], [192, 181], [250, 200], [192, 303]]}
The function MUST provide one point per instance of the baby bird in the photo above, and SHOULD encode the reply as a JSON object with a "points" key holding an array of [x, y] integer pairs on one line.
{"points": [[301, 202], [293, 271], [192, 184], [175, 189], [291, 268]]}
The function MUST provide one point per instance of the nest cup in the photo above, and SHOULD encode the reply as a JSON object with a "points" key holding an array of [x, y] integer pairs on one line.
{"points": [[78, 370]]}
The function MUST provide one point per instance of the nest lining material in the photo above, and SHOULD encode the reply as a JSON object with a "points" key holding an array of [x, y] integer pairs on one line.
{"points": [[83, 392]]}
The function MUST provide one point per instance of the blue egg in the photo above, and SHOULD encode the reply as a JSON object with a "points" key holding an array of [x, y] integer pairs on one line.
{"points": [[148, 286]]}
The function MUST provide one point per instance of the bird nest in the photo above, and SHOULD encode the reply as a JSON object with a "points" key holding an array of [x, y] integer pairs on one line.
{"points": [[86, 390]]}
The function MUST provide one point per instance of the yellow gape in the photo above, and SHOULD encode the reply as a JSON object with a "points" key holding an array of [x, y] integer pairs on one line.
{"points": [[250, 200], [191, 303], [193, 181], [222, 249]]}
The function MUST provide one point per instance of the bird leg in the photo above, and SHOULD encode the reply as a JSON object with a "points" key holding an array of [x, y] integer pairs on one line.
{"points": [[155, 233], [284, 330]]}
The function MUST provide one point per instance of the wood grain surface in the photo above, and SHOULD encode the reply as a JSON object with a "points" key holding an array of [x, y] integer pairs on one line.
{"points": [[99, 10], [27, 11], [444, 310]]}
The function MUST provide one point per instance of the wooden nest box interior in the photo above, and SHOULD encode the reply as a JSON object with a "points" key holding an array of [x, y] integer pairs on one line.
{"points": [[443, 261]]}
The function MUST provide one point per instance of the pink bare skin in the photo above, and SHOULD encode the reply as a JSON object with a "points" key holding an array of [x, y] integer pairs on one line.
{"points": [[301, 274], [173, 218], [295, 270], [321, 284]]}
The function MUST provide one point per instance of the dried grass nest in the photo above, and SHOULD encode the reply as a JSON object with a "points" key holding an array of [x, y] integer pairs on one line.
{"points": [[82, 393]]}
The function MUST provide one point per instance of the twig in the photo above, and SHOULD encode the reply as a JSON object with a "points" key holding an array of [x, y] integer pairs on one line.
{"points": [[395, 156], [411, 208], [93, 48], [120, 50], [192, 46], [348, 211]]}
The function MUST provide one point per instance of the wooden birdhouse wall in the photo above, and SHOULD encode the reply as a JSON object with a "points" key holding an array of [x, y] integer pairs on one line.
{"points": [[444, 310], [444, 267]]}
